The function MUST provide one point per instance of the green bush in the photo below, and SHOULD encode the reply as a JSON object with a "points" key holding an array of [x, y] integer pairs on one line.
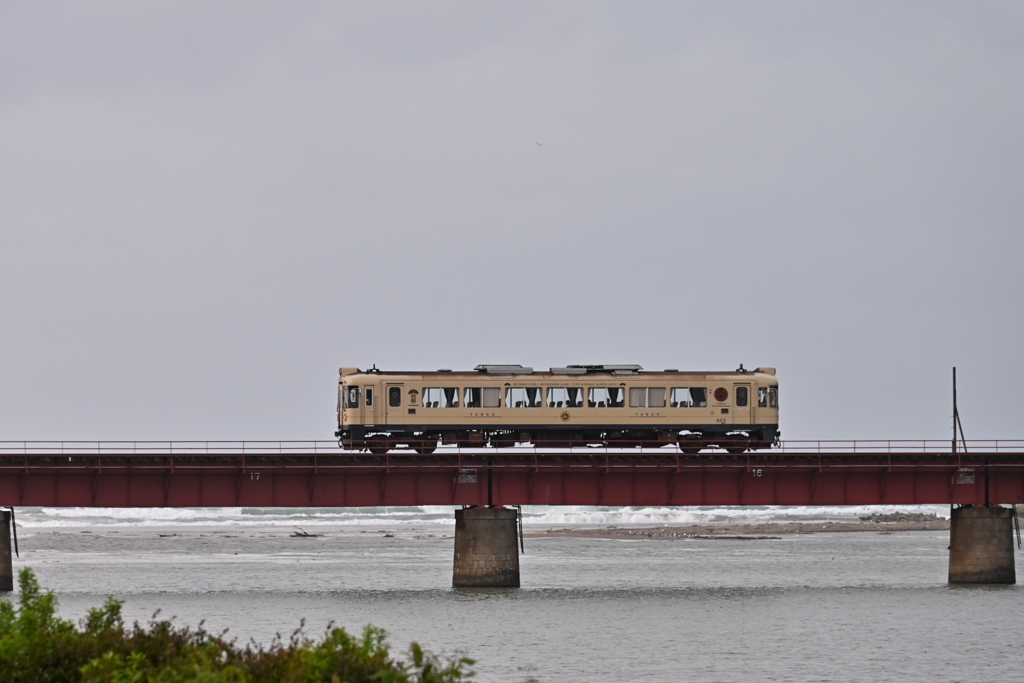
{"points": [[37, 646]]}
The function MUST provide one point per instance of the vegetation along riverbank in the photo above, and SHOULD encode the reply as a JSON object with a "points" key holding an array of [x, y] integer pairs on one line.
{"points": [[37, 645]]}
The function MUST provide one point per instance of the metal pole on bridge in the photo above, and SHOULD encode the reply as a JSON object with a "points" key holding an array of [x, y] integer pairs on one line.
{"points": [[954, 411]]}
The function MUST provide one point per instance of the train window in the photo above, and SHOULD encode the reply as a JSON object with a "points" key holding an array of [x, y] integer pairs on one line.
{"points": [[656, 397], [647, 397], [773, 397], [394, 397], [606, 397], [762, 397], [557, 397], [681, 398], [440, 397], [742, 395], [565, 397], [492, 397], [523, 397], [368, 397], [430, 395], [689, 397], [351, 397], [482, 397]]}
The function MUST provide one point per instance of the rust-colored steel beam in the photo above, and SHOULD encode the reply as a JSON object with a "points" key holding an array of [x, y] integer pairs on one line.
{"points": [[508, 477]]}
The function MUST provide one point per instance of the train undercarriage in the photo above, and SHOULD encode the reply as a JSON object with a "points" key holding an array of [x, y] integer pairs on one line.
{"points": [[739, 439]]}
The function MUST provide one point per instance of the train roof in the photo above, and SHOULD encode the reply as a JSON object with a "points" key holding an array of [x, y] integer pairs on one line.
{"points": [[568, 370]]}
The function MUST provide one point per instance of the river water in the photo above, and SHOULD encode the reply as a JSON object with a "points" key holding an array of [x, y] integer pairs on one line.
{"points": [[864, 606]]}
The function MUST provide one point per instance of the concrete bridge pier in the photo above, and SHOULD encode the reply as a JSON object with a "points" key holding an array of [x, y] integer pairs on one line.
{"points": [[6, 564], [486, 548], [981, 545]]}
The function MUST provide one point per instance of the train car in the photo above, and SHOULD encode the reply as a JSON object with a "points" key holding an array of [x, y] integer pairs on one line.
{"points": [[577, 405]]}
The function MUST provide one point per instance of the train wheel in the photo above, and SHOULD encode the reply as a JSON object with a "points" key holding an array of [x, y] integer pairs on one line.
{"points": [[425, 447], [691, 446], [378, 445]]}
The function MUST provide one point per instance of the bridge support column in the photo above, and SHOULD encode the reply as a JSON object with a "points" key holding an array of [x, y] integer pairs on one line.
{"points": [[6, 565], [981, 545], [486, 548]]}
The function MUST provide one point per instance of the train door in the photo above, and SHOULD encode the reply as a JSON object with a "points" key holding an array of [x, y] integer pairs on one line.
{"points": [[392, 404], [353, 404], [371, 401], [741, 406]]}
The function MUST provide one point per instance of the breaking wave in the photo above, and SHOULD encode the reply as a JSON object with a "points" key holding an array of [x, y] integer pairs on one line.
{"points": [[52, 517]]}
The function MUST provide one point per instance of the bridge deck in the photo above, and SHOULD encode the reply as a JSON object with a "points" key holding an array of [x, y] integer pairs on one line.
{"points": [[319, 474], [860, 446]]}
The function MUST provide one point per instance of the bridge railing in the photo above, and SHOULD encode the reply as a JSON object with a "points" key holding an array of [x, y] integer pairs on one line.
{"points": [[908, 446], [168, 447], [325, 447]]}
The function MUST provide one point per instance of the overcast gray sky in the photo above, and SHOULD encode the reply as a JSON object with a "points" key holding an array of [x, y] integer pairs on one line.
{"points": [[207, 208]]}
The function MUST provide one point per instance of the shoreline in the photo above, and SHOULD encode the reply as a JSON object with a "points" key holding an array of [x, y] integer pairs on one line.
{"points": [[755, 531], [730, 529]]}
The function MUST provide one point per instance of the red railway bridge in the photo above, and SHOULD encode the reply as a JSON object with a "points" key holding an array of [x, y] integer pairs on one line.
{"points": [[318, 473], [979, 475]]}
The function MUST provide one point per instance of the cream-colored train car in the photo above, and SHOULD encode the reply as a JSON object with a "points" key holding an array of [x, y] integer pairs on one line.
{"points": [[502, 405]]}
